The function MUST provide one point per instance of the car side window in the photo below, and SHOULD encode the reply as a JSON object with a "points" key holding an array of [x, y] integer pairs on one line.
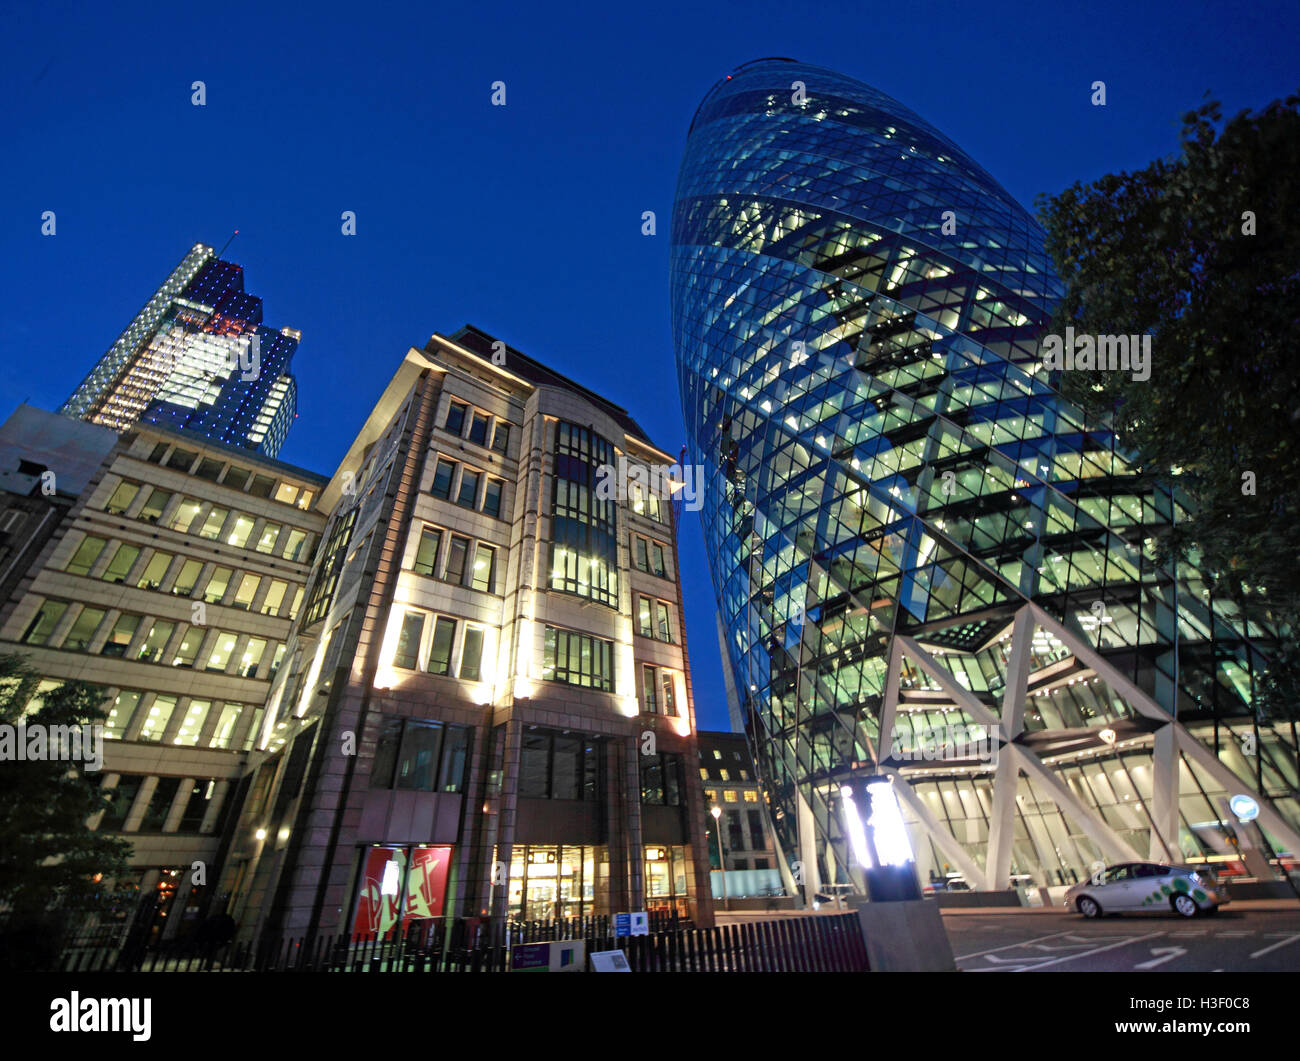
{"points": [[1118, 873], [1146, 871]]}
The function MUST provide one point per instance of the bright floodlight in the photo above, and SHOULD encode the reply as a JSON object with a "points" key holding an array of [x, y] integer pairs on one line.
{"points": [[853, 826], [887, 829]]}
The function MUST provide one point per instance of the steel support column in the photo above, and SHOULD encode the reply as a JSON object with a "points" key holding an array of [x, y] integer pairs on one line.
{"points": [[1092, 824], [1269, 818], [943, 839], [1006, 781], [1164, 795]]}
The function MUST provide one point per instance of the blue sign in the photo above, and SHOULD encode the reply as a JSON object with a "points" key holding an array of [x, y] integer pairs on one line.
{"points": [[1245, 808], [634, 924]]}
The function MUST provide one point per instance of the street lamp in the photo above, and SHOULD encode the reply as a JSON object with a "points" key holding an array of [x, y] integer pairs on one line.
{"points": [[716, 811]]}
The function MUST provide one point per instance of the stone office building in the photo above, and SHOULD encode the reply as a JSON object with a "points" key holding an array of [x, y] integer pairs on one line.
{"points": [[45, 464], [731, 784], [170, 580], [485, 706]]}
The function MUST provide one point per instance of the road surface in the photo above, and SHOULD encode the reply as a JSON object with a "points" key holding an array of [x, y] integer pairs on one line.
{"points": [[1254, 937]]}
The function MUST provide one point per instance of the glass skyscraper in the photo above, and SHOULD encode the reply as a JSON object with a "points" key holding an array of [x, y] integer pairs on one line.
{"points": [[197, 357], [927, 564]]}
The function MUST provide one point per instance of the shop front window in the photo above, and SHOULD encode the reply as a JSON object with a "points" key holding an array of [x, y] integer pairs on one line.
{"points": [[549, 881], [665, 879]]}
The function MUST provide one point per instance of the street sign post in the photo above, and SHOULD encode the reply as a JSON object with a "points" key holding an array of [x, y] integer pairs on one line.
{"points": [[632, 924], [555, 956]]}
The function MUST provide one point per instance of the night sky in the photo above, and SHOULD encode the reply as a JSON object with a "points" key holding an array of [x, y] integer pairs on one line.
{"points": [[525, 219]]}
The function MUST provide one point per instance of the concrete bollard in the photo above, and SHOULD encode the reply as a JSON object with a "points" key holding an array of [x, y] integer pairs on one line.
{"points": [[906, 937]]}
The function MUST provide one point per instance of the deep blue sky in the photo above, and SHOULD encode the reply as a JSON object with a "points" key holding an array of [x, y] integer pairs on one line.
{"points": [[524, 220]]}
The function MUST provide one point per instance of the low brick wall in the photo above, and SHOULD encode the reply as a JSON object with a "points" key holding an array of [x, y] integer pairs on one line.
{"points": [[1260, 889], [977, 899], [759, 904]]}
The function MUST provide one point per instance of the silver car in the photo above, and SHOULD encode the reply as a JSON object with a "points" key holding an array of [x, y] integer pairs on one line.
{"points": [[1133, 886]]}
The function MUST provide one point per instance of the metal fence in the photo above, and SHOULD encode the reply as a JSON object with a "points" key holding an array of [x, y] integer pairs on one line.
{"points": [[831, 943], [592, 926], [825, 943]]}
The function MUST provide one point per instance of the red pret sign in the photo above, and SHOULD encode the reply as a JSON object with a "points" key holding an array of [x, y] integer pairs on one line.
{"points": [[380, 891], [426, 882], [384, 896]]}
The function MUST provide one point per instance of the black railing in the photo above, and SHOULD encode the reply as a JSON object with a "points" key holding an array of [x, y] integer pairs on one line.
{"points": [[821, 943], [591, 926], [825, 943]]}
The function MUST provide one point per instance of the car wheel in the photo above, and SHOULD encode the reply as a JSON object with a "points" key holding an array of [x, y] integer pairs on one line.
{"points": [[1186, 905], [1090, 908]]}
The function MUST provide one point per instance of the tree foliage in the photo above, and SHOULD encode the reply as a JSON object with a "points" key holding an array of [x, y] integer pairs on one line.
{"points": [[49, 860], [1202, 251]]}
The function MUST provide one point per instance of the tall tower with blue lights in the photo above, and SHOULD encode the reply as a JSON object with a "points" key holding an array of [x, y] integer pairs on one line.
{"points": [[197, 357]]}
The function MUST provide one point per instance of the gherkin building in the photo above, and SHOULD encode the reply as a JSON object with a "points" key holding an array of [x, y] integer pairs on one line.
{"points": [[927, 565]]}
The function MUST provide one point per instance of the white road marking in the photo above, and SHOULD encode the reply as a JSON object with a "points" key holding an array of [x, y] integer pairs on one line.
{"points": [[1087, 953], [1275, 946], [1078, 941], [1008, 946], [1170, 953]]}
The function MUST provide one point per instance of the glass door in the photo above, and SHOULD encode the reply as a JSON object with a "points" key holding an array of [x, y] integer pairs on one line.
{"points": [[541, 887]]}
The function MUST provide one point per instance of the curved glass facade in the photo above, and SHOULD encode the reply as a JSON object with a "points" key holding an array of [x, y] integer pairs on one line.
{"points": [[913, 538]]}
